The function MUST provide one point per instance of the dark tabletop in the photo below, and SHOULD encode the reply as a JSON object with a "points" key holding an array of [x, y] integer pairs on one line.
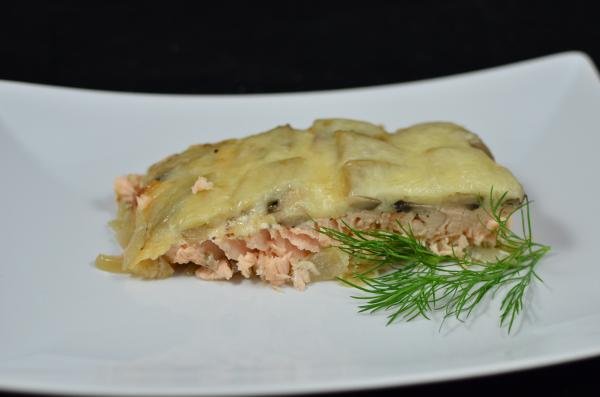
{"points": [[255, 47]]}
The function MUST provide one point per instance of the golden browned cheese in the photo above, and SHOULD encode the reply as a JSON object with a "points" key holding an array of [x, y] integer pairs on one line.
{"points": [[334, 167]]}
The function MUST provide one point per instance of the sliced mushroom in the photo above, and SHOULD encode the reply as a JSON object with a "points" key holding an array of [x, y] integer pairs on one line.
{"points": [[291, 218], [364, 202]]}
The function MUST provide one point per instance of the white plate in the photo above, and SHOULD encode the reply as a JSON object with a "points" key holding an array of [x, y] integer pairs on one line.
{"points": [[67, 327]]}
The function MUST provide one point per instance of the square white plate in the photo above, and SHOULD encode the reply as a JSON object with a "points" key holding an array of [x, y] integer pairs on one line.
{"points": [[67, 327]]}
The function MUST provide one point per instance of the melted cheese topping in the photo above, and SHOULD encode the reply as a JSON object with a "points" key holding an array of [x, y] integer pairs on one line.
{"points": [[288, 176]]}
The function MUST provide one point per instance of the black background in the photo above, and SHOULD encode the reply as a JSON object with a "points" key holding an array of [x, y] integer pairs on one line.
{"points": [[250, 47]]}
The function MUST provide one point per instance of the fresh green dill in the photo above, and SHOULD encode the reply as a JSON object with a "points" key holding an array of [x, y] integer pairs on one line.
{"points": [[416, 281]]}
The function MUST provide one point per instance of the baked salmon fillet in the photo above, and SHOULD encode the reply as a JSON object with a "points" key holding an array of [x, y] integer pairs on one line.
{"points": [[253, 207]]}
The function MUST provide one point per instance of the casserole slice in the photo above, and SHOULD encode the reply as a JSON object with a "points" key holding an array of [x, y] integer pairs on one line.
{"points": [[254, 206]]}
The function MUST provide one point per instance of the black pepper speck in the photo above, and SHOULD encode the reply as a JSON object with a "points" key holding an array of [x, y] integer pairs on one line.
{"points": [[402, 206], [272, 206]]}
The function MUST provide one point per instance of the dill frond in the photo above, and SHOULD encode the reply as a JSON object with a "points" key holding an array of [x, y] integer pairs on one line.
{"points": [[419, 281]]}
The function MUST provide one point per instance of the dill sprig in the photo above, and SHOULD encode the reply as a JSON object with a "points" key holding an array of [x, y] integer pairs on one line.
{"points": [[416, 281]]}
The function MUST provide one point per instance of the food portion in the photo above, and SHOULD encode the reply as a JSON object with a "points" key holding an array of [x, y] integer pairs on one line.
{"points": [[255, 207]]}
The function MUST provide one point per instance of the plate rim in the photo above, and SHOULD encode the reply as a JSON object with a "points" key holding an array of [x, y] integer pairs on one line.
{"points": [[371, 383], [553, 57]]}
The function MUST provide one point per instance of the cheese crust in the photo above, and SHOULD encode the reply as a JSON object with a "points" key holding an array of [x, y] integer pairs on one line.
{"points": [[287, 177]]}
